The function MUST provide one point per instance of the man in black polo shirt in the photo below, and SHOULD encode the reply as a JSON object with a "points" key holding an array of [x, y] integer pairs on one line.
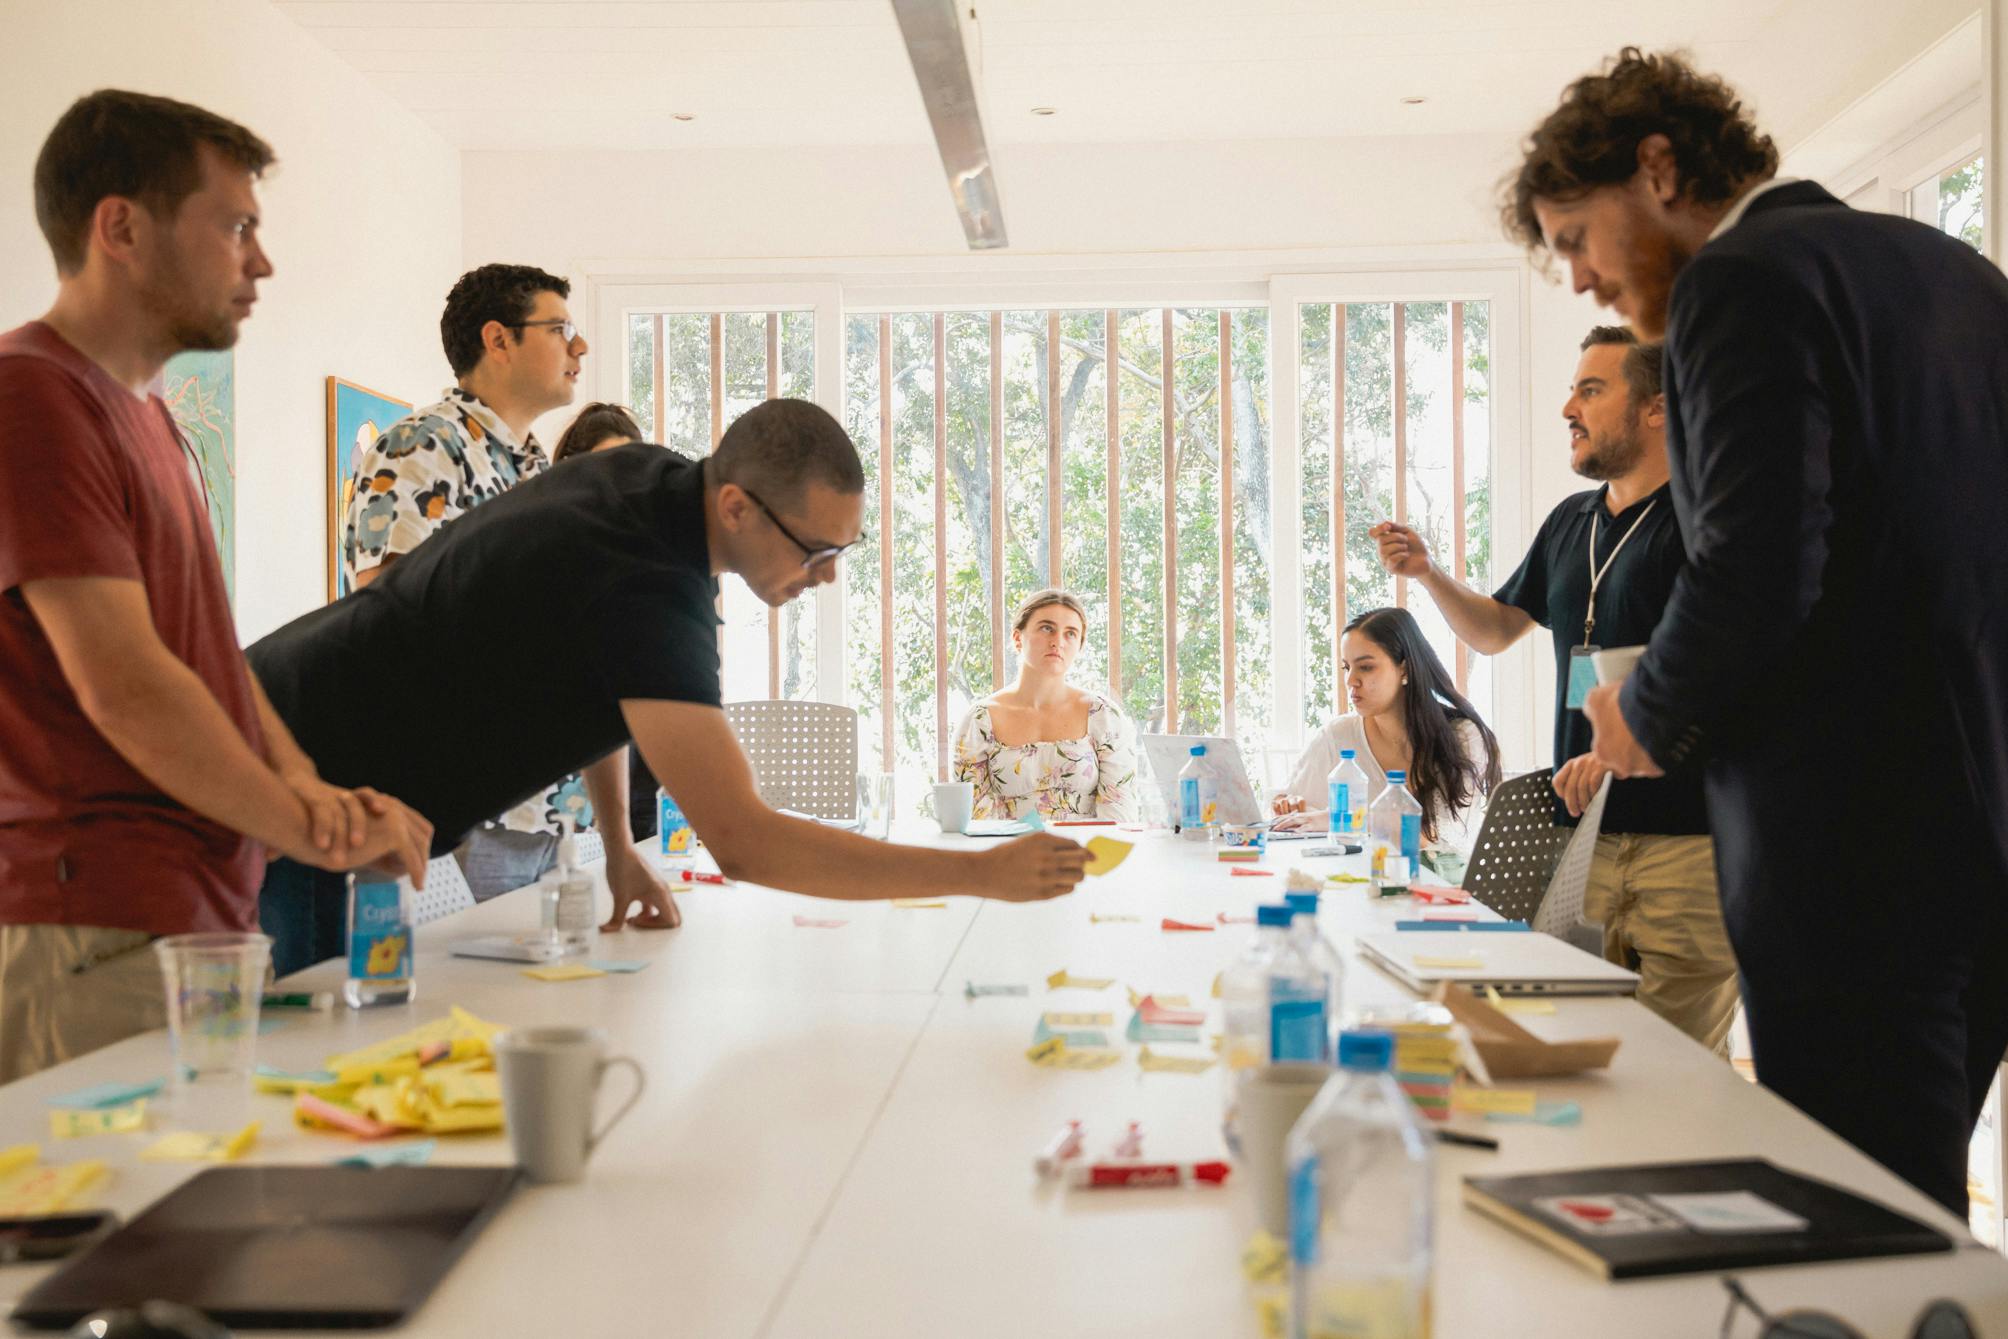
{"points": [[547, 627], [1599, 575]]}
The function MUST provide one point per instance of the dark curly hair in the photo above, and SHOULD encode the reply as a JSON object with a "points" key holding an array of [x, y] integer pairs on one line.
{"points": [[594, 424], [1592, 139], [504, 293]]}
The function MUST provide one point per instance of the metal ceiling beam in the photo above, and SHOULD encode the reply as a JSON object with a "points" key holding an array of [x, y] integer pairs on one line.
{"points": [[933, 33]]}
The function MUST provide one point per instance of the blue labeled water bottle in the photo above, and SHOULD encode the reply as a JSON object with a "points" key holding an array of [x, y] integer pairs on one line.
{"points": [[1347, 787], [380, 920], [672, 829], [1198, 797]]}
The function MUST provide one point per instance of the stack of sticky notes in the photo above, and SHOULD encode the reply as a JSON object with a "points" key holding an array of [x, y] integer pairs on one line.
{"points": [[1425, 1061], [1078, 1030], [435, 1079], [1054, 1053], [1236, 854], [27, 1187]]}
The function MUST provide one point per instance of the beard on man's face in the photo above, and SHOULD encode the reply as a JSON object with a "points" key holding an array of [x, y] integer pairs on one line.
{"points": [[189, 321], [1612, 454]]}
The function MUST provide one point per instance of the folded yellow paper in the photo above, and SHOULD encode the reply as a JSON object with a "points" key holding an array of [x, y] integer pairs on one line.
{"points": [[189, 1146]]}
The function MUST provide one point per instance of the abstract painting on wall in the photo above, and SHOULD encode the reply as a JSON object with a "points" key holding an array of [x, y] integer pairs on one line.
{"points": [[357, 416], [200, 391]]}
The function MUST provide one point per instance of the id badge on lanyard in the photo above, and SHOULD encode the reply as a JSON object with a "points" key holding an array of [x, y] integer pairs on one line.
{"points": [[1583, 674]]}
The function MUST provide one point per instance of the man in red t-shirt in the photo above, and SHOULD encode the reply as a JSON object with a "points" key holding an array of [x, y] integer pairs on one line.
{"points": [[143, 775]]}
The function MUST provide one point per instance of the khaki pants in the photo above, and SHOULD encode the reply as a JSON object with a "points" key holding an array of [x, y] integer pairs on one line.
{"points": [[68, 989], [1662, 918]]}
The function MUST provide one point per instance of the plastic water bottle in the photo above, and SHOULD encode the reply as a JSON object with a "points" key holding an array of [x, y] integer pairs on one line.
{"points": [[1320, 952], [1348, 786], [1244, 1000], [577, 917], [1198, 797], [672, 829], [380, 921], [1362, 1189], [1394, 831], [1299, 992]]}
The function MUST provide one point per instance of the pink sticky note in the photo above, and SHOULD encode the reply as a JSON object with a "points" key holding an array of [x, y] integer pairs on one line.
{"points": [[819, 923], [1241, 872], [1170, 924], [1225, 919], [341, 1118], [1450, 915], [1150, 1011], [1442, 895]]}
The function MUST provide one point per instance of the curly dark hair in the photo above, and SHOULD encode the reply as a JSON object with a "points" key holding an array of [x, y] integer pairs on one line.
{"points": [[594, 424], [1644, 365], [505, 293], [1592, 139]]}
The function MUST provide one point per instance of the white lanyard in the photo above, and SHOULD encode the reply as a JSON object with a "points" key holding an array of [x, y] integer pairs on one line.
{"points": [[1597, 573]]}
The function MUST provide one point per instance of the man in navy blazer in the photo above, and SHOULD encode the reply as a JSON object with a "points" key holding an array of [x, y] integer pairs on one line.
{"points": [[1836, 650]]}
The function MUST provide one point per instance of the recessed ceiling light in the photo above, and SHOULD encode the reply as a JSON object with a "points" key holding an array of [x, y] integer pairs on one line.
{"points": [[1044, 111], [1413, 101], [683, 116]]}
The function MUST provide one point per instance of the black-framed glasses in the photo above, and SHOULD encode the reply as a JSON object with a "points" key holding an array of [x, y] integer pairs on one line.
{"points": [[1942, 1319], [564, 325], [811, 556]]}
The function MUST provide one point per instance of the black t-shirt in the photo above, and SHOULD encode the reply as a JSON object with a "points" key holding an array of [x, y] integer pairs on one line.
{"points": [[1553, 586], [493, 658]]}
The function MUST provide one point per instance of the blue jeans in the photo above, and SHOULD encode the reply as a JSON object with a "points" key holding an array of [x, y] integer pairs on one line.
{"points": [[303, 910]]}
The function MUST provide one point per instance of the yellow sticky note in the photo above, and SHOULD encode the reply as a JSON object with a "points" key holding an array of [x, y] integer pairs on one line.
{"points": [[14, 1159], [109, 1120], [1442, 963], [563, 971], [1168, 1001], [1503, 1101], [918, 903], [458, 1024], [467, 1090], [1265, 1260], [1216, 984], [1105, 853], [1516, 1006], [1346, 878], [189, 1146], [1064, 980], [1272, 1313], [36, 1190], [1080, 1020], [1172, 1064], [463, 1120], [1046, 1051], [384, 1071], [1111, 918], [1091, 1059]]}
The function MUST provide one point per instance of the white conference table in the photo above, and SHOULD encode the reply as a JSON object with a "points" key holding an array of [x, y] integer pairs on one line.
{"points": [[836, 1142]]}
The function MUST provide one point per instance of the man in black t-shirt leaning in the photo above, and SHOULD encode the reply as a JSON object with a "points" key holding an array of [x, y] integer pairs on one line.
{"points": [[547, 627], [1599, 575]]}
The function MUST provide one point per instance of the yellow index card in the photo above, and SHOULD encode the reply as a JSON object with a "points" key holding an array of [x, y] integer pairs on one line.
{"points": [[1150, 1060], [1069, 1058], [1504, 1101], [1516, 1006], [1105, 853], [189, 1146], [38, 1190], [14, 1159], [110, 1120], [563, 971], [1064, 980]]}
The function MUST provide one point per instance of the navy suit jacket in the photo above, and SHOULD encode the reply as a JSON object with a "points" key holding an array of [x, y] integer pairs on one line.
{"points": [[1837, 647]]}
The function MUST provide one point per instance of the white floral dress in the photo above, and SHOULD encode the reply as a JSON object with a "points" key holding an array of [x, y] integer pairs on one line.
{"points": [[1093, 776]]}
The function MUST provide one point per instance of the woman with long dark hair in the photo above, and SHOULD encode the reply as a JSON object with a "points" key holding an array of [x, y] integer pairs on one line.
{"points": [[1408, 717]]}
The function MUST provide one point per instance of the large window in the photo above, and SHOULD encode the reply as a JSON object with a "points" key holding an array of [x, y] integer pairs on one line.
{"points": [[689, 374], [1956, 201]]}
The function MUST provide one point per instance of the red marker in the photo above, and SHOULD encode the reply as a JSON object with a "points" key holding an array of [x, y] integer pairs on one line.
{"points": [[1108, 1175], [693, 876]]}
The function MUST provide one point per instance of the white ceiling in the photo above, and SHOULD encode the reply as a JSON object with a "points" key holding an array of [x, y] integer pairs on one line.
{"points": [[609, 74]]}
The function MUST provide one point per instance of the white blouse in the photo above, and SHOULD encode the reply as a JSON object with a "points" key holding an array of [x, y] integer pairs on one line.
{"points": [[1455, 831], [1093, 776]]}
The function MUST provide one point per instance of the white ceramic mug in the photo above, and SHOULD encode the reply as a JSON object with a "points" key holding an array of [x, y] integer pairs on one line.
{"points": [[1272, 1098], [550, 1078], [952, 802]]}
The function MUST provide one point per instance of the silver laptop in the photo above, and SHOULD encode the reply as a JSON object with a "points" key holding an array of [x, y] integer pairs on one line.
{"points": [[1168, 755], [1524, 962]]}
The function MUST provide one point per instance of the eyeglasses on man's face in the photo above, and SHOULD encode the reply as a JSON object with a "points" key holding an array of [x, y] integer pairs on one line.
{"points": [[813, 555], [564, 325]]}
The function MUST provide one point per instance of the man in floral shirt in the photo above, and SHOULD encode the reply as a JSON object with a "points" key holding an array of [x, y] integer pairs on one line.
{"points": [[515, 355]]}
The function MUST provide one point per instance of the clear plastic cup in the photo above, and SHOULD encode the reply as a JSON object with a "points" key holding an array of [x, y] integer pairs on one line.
{"points": [[214, 986]]}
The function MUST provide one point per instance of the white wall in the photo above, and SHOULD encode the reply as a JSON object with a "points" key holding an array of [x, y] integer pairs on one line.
{"points": [[362, 219]]}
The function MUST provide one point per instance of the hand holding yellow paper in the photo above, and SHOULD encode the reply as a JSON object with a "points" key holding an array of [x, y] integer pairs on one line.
{"points": [[1105, 853]]}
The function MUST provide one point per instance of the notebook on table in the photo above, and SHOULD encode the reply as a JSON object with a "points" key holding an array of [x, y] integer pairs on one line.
{"points": [[1696, 1218], [267, 1248], [1512, 964]]}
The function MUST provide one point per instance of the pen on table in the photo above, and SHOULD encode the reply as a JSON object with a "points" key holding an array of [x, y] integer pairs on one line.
{"points": [[699, 876], [1466, 1140], [298, 999]]}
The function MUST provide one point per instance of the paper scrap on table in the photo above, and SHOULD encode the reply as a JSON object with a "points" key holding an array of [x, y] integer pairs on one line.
{"points": [[189, 1146], [975, 992], [1060, 1020], [1054, 1053], [1482, 1101], [107, 1094], [621, 965], [1170, 924], [391, 1155], [1175, 1001], [1439, 962], [1244, 873], [1544, 1113], [458, 1035], [1265, 1259], [1064, 980], [27, 1188], [1142, 1031], [1173, 1064], [819, 923], [1080, 1039], [1346, 878], [919, 903], [1272, 1313], [1105, 853], [1224, 919], [68, 1124], [1442, 896], [314, 1113], [1151, 1011], [1506, 1006], [1216, 984], [285, 1082], [1111, 918], [1231, 855], [562, 971], [1730, 1211]]}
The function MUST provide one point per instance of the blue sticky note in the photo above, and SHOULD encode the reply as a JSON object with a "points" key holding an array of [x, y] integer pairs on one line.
{"points": [[1545, 1113], [1033, 821], [391, 1155], [1142, 1031], [617, 964], [1462, 925], [101, 1095], [267, 1023], [292, 1076]]}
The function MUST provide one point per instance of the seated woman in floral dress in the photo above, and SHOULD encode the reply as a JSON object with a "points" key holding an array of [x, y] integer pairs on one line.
{"points": [[1043, 745]]}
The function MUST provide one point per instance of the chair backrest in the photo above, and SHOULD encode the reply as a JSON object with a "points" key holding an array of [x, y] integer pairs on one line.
{"points": [[804, 754], [1514, 858], [592, 846], [1561, 910], [445, 891]]}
